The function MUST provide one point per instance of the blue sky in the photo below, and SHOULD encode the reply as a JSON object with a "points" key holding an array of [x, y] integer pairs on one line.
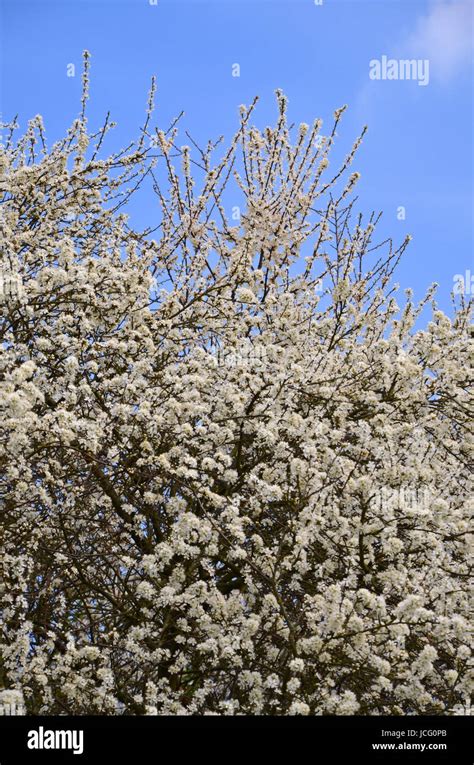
{"points": [[418, 152]]}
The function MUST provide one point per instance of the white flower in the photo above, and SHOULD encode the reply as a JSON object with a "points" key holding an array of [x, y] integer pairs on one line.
{"points": [[299, 708]]}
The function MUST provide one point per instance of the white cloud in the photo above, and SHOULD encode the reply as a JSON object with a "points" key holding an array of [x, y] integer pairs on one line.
{"points": [[445, 37]]}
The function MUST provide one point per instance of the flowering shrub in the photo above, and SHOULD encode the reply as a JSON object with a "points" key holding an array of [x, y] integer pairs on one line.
{"points": [[286, 532]]}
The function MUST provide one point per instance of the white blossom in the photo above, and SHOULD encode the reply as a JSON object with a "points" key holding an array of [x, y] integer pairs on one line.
{"points": [[181, 535]]}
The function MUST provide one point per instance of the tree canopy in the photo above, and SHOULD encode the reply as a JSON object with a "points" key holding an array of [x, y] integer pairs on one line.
{"points": [[234, 470]]}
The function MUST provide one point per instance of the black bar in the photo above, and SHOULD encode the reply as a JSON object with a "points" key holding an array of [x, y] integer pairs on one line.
{"points": [[123, 739]]}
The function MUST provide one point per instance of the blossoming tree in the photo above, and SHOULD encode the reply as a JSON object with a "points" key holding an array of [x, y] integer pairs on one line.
{"points": [[234, 471]]}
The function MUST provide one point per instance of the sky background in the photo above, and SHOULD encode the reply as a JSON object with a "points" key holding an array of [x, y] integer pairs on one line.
{"points": [[417, 154]]}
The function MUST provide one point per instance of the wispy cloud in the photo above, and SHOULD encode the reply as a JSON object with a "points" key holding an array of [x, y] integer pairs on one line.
{"points": [[444, 36]]}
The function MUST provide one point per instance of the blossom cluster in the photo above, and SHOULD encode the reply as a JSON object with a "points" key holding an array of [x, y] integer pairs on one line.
{"points": [[181, 536]]}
